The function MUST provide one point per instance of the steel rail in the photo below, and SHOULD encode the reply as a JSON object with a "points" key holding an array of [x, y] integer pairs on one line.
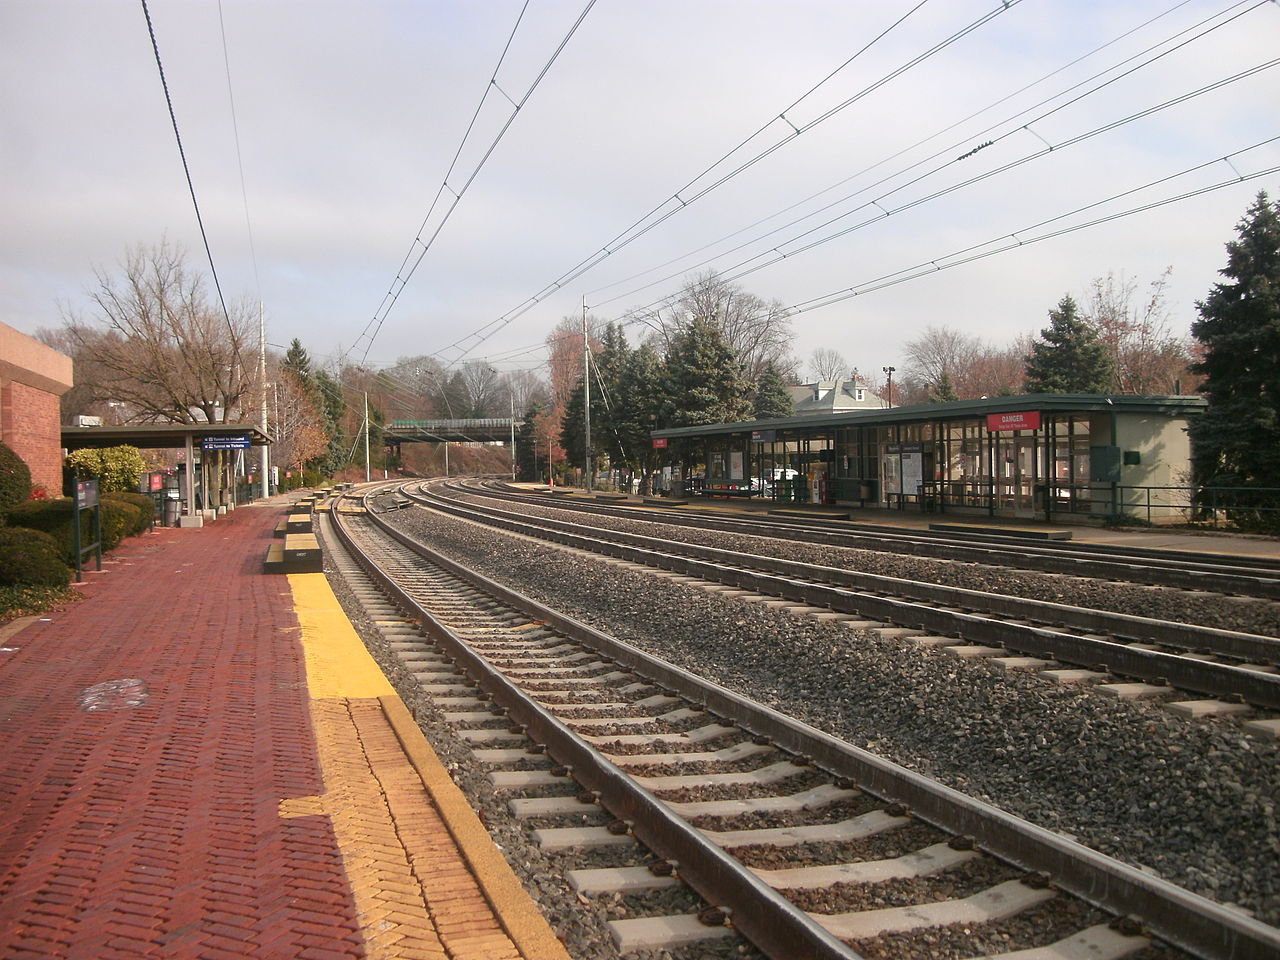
{"points": [[1245, 646], [1191, 571], [768, 920], [1215, 679], [1177, 916]]}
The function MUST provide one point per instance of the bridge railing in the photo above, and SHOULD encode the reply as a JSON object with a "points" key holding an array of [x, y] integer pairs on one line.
{"points": [[454, 426]]}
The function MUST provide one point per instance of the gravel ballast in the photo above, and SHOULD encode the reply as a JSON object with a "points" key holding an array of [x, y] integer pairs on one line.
{"points": [[1194, 803]]}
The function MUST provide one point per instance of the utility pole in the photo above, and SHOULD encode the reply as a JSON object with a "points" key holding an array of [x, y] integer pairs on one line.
{"points": [[586, 392], [368, 470], [888, 371], [262, 382], [511, 396]]}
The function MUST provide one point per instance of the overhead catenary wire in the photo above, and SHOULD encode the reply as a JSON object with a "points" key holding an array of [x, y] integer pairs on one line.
{"points": [[1019, 238], [1175, 41], [186, 169], [235, 131], [882, 211], [677, 202], [403, 277], [943, 151]]}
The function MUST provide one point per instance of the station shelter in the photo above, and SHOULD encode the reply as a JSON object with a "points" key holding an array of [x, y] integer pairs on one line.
{"points": [[1041, 456], [194, 493]]}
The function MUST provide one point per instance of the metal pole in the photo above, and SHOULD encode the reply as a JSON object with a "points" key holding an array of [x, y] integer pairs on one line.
{"points": [[367, 473], [586, 395], [262, 380], [191, 477], [512, 397]]}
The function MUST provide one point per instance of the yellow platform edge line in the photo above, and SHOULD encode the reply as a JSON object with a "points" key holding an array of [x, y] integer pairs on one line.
{"points": [[340, 667], [338, 664], [511, 903]]}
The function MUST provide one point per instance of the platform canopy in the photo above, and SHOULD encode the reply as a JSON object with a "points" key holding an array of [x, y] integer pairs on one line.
{"points": [[159, 436]]}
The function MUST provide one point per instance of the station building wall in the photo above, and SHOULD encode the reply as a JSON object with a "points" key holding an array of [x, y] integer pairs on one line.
{"points": [[32, 378]]}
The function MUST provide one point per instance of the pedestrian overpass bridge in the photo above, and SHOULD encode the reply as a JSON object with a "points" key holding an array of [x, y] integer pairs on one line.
{"points": [[493, 430]]}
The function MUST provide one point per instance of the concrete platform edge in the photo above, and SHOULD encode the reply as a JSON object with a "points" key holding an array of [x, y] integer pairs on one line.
{"points": [[520, 918]]}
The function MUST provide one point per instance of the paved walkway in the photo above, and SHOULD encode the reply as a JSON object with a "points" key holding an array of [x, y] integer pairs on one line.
{"points": [[201, 760]]}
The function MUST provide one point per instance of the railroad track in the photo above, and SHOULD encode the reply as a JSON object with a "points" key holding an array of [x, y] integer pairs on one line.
{"points": [[1232, 576], [791, 838], [1228, 671]]}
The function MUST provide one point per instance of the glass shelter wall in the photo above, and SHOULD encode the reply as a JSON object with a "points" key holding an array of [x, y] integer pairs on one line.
{"points": [[961, 464]]}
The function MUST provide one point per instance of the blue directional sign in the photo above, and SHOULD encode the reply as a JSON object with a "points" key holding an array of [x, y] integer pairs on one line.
{"points": [[240, 441]]}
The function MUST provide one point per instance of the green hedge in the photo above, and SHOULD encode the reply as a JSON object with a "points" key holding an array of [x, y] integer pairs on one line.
{"points": [[15, 478], [56, 518], [146, 510], [31, 558]]}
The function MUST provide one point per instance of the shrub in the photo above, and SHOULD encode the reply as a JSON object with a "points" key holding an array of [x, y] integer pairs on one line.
{"points": [[31, 558], [15, 478], [146, 509], [117, 469], [56, 518]]}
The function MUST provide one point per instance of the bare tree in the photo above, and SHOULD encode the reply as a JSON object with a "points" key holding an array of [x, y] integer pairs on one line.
{"points": [[999, 371], [938, 353], [828, 364], [160, 346], [758, 332], [1147, 357], [296, 422], [526, 388], [483, 389]]}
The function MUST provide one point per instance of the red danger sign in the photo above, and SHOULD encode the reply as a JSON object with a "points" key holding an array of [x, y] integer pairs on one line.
{"points": [[659, 443], [1024, 420]]}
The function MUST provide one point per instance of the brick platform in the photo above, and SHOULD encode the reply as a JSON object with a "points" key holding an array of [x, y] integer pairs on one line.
{"points": [[174, 784]]}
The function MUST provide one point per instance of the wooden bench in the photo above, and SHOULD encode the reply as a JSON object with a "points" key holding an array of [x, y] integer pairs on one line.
{"points": [[298, 523], [299, 553], [727, 491]]}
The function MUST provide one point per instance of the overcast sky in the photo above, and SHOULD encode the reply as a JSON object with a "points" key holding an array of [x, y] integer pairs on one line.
{"points": [[348, 116]]}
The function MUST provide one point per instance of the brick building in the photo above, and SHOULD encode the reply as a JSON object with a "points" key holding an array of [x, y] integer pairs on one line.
{"points": [[32, 378]]}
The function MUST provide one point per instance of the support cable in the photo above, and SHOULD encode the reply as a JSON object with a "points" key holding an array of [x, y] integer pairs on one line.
{"points": [[235, 343], [665, 210], [402, 279]]}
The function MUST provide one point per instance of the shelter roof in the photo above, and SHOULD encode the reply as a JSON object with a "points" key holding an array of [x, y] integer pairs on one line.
{"points": [[152, 436], [1056, 403]]}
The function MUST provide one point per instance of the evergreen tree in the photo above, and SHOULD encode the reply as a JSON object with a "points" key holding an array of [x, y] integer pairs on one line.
{"points": [[944, 391], [638, 408], [1069, 357], [772, 400], [1237, 440], [573, 432], [608, 413], [705, 381], [331, 404], [298, 363], [527, 445]]}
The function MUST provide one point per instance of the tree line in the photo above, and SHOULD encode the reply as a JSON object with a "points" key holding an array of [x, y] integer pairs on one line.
{"points": [[153, 347]]}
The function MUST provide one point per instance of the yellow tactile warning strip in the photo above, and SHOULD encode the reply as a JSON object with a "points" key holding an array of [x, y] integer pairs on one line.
{"points": [[426, 879]]}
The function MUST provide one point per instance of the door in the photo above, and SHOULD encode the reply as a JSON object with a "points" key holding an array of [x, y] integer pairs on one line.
{"points": [[1015, 487]]}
